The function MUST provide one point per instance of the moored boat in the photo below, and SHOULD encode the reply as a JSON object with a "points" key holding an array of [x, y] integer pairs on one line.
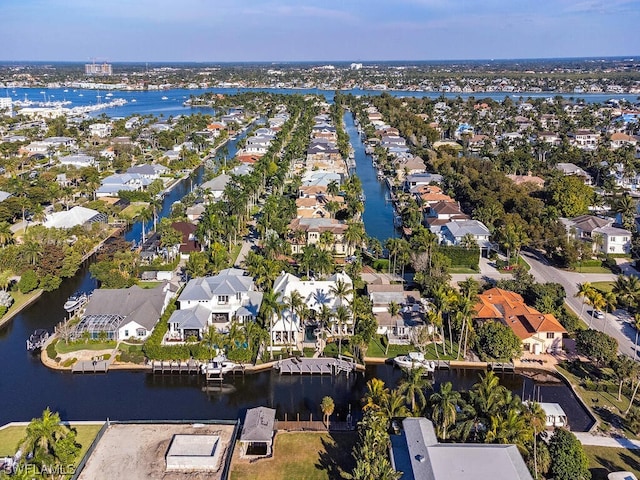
{"points": [[37, 339], [75, 301], [218, 366], [414, 360]]}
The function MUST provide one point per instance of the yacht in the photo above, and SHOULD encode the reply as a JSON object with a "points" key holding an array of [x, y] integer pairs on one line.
{"points": [[164, 98], [414, 360], [75, 301], [218, 366]]}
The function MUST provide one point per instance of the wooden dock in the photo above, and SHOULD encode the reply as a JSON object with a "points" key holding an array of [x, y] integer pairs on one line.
{"points": [[501, 366], [314, 366], [169, 367], [91, 366]]}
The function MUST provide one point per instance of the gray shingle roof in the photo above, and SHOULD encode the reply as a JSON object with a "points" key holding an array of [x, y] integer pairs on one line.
{"points": [[227, 282], [258, 425], [143, 306]]}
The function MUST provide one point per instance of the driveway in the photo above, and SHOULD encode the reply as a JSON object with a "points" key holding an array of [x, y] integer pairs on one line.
{"points": [[487, 273], [617, 324]]}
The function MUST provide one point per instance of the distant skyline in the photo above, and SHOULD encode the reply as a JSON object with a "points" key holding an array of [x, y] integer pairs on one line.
{"points": [[304, 30]]}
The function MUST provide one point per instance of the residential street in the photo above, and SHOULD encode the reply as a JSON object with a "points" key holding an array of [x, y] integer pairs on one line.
{"points": [[615, 324]]}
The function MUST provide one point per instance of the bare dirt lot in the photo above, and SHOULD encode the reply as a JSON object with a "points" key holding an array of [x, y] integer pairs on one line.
{"points": [[137, 452]]}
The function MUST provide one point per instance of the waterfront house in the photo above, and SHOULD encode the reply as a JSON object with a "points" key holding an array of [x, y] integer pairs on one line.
{"points": [[152, 171], [619, 140], [111, 185], [215, 187], [214, 301], [417, 453], [550, 138], [74, 217], [287, 328], [539, 332], [411, 166], [418, 179], [122, 313], [189, 242], [398, 329]]}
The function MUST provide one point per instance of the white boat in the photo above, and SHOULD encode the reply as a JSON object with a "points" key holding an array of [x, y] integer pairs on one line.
{"points": [[164, 98], [37, 340], [75, 301], [218, 366], [415, 360], [109, 94], [133, 100]]}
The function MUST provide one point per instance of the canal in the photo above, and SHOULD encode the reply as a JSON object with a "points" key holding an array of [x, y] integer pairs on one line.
{"points": [[27, 387], [378, 213]]}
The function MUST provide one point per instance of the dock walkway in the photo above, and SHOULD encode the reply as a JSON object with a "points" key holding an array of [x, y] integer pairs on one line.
{"points": [[312, 366], [91, 366]]}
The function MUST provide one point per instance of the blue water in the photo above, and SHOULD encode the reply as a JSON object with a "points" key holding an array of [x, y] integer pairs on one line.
{"points": [[378, 214], [150, 102]]}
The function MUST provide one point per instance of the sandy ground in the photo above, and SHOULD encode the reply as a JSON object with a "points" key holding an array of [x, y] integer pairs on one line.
{"points": [[137, 452]]}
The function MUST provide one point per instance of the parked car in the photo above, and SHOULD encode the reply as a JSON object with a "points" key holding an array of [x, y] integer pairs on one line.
{"points": [[598, 314]]}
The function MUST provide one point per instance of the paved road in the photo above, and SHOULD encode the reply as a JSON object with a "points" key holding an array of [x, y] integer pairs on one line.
{"points": [[617, 324]]}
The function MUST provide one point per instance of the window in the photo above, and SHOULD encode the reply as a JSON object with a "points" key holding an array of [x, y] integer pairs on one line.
{"points": [[126, 334], [551, 335], [526, 347], [239, 296], [141, 332], [223, 299], [612, 239]]}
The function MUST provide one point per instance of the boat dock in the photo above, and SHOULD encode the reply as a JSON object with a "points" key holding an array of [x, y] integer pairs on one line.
{"points": [[169, 367], [91, 366], [313, 366]]}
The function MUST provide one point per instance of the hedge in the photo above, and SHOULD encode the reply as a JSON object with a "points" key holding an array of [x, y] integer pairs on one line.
{"points": [[461, 256]]}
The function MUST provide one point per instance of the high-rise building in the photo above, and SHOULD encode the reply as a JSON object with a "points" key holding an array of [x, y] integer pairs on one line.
{"points": [[98, 69]]}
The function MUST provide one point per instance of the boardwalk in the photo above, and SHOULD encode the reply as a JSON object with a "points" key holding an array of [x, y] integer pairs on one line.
{"points": [[89, 366], [312, 366]]}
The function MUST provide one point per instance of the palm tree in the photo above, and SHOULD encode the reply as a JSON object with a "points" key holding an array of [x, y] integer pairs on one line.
{"points": [[269, 308], [293, 301], [443, 297], [597, 301], [393, 406], [42, 435], [6, 235], [412, 387], [444, 404], [536, 417], [32, 251], [327, 406], [584, 290], [375, 395], [636, 323], [342, 316]]}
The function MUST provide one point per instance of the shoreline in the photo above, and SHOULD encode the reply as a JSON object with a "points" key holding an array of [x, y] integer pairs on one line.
{"points": [[7, 317]]}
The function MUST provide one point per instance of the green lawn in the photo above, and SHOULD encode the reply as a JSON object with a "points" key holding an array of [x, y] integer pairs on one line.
{"points": [[592, 270], [377, 349], [463, 270], [603, 286], [303, 455], [62, 347], [149, 285], [133, 210], [604, 460], [20, 299], [130, 348], [11, 436]]}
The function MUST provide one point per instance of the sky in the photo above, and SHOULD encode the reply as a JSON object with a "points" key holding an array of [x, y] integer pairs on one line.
{"points": [[305, 30]]}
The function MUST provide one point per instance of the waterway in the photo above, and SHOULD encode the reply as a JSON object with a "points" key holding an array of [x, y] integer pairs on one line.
{"points": [[378, 213], [27, 387]]}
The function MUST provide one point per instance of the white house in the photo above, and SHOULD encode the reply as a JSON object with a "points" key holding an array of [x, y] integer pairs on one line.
{"points": [[614, 240], [287, 328], [101, 130], [453, 232], [79, 160], [214, 301]]}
